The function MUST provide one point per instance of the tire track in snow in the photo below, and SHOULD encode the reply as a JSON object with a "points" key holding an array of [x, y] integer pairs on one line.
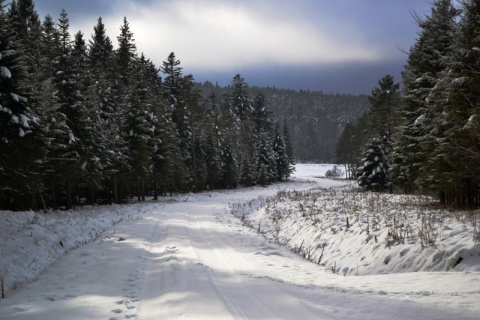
{"points": [[231, 269], [178, 284]]}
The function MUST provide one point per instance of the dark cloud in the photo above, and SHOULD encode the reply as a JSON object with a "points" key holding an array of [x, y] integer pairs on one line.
{"points": [[76, 9], [288, 42], [345, 78]]}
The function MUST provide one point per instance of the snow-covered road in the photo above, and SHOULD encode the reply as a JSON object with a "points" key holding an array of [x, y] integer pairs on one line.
{"points": [[193, 260]]}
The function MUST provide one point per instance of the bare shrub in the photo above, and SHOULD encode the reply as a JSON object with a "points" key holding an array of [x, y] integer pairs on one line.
{"points": [[426, 231], [475, 221]]}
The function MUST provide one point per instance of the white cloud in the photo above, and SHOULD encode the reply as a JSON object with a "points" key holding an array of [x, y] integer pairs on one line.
{"points": [[221, 35]]}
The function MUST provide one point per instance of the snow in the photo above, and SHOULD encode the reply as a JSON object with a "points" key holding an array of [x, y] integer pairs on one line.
{"points": [[14, 119], [471, 120], [188, 257], [17, 98], [25, 120], [71, 138], [5, 72], [420, 120]]}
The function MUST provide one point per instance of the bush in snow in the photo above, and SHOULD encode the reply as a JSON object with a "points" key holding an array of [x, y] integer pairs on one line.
{"points": [[360, 233], [373, 174], [335, 172]]}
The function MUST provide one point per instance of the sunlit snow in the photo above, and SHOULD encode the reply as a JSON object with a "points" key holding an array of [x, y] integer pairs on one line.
{"points": [[5, 72], [188, 257]]}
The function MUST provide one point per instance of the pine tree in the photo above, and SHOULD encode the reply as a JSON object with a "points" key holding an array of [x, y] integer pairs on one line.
{"points": [[24, 24], [426, 62], [345, 151], [373, 173], [118, 90], [191, 132], [177, 91], [263, 135], [107, 92], [230, 168], [461, 150], [91, 149], [126, 52], [239, 99], [214, 141], [351, 144], [240, 104], [288, 150], [140, 126], [100, 48], [282, 164], [383, 113], [64, 150], [382, 121], [16, 122], [91, 121]]}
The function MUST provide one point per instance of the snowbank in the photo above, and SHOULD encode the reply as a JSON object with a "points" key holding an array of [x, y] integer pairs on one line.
{"points": [[31, 241], [384, 233], [360, 233]]}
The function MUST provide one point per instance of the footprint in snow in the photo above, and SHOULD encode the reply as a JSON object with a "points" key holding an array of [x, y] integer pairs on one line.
{"points": [[274, 253], [169, 249]]}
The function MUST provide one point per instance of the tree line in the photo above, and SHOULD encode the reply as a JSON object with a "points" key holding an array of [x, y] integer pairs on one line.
{"points": [[80, 120], [425, 137], [314, 119]]}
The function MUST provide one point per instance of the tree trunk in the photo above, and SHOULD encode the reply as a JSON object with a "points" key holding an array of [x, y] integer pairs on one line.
{"points": [[92, 195], [155, 192], [54, 196], [115, 196], [138, 190], [69, 194]]}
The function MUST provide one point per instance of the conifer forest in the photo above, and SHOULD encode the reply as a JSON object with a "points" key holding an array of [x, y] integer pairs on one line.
{"points": [[424, 137], [88, 119], [84, 122]]}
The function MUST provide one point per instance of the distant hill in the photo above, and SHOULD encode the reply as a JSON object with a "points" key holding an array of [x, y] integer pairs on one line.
{"points": [[314, 119]]}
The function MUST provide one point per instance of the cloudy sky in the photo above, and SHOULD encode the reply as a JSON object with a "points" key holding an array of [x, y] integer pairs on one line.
{"points": [[341, 46]]}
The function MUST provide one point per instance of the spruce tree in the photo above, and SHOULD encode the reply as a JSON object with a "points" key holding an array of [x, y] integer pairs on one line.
{"points": [[263, 138], [461, 151], [176, 90], [240, 104], [214, 140], [282, 164], [382, 121], [230, 168], [383, 117], [140, 126], [100, 48], [425, 65], [126, 52], [64, 150], [104, 88], [373, 172], [345, 150], [91, 147], [16, 123], [121, 70], [288, 150]]}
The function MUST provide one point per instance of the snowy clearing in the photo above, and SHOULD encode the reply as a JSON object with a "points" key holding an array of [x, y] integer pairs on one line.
{"points": [[188, 257]]}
